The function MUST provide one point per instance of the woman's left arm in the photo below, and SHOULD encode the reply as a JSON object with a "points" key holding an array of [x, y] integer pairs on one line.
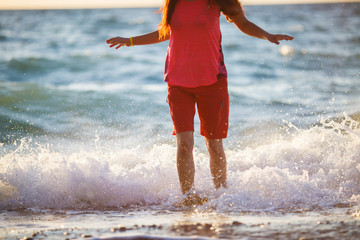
{"points": [[253, 30]]}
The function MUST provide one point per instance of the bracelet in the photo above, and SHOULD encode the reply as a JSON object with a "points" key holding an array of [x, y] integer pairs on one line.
{"points": [[131, 41]]}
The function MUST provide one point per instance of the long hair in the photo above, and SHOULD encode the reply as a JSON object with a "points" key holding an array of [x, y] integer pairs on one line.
{"points": [[227, 7]]}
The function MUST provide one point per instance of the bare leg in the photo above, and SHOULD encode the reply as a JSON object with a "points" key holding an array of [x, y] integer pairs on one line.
{"points": [[217, 161], [185, 160]]}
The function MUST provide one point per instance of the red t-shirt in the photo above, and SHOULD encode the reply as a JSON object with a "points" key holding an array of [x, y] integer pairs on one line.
{"points": [[194, 56]]}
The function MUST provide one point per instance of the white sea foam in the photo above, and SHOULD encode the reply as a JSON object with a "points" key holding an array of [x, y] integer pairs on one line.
{"points": [[110, 87], [317, 167]]}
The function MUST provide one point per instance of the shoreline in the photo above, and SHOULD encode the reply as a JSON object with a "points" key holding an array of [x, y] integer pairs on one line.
{"points": [[190, 224]]}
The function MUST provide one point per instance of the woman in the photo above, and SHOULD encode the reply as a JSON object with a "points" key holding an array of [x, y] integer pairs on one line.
{"points": [[196, 75]]}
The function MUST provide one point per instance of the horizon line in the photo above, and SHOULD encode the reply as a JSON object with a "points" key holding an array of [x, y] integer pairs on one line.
{"points": [[109, 6]]}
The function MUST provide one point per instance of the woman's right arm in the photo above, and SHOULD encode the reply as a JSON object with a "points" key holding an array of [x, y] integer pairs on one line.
{"points": [[145, 39]]}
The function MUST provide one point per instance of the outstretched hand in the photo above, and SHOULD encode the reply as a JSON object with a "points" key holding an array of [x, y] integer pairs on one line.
{"points": [[118, 42], [276, 38]]}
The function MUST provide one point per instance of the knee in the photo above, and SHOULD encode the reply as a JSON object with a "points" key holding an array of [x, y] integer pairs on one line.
{"points": [[185, 142], [214, 145], [185, 146]]}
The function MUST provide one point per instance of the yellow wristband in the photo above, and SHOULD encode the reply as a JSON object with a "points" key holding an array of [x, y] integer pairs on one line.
{"points": [[131, 42]]}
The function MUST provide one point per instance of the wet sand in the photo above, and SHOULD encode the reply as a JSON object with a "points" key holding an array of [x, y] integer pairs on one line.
{"points": [[338, 223]]}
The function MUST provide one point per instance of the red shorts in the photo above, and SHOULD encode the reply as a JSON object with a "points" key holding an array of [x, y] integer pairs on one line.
{"points": [[212, 104]]}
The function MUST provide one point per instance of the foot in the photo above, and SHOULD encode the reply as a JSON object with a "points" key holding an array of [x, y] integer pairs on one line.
{"points": [[191, 199]]}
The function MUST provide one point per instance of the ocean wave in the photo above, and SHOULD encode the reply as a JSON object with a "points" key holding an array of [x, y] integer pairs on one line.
{"points": [[310, 169], [41, 65], [33, 65], [12, 129]]}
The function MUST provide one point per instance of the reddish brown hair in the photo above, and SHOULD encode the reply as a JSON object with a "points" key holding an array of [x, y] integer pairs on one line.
{"points": [[227, 7]]}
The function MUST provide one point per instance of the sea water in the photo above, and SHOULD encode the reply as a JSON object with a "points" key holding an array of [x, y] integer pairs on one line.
{"points": [[85, 130]]}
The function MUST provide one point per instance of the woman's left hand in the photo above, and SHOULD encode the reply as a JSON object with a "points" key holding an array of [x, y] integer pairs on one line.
{"points": [[276, 38]]}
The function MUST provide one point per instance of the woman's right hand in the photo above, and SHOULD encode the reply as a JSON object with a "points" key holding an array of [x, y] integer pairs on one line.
{"points": [[118, 42], [276, 38]]}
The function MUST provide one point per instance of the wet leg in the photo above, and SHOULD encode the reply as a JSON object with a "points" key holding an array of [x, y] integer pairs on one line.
{"points": [[185, 160], [217, 161]]}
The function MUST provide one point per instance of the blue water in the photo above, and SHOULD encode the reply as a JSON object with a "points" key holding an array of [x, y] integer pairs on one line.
{"points": [[83, 126]]}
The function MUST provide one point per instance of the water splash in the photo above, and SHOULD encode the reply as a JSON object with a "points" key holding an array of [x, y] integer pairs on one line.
{"points": [[315, 168]]}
